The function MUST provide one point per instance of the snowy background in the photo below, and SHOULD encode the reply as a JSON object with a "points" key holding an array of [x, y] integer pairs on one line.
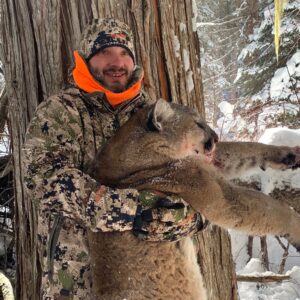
{"points": [[250, 96]]}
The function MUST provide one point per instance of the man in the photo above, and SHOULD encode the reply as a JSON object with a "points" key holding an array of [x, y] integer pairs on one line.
{"points": [[62, 140]]}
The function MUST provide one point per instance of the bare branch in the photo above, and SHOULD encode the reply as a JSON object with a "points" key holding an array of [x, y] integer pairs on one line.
{"points": [[284, 255], [263, 279], [201, 24]]}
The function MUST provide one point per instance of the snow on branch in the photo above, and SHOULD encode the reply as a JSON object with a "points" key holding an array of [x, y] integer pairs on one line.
{"points": [[263, 279], [200, 24]]}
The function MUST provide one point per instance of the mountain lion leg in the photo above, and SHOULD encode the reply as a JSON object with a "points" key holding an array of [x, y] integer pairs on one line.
{"points": [[233, 158], [255, 213], [227, 205]]}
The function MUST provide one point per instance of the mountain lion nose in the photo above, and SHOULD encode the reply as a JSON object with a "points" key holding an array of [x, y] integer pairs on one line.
{"points": [[209, 145]]}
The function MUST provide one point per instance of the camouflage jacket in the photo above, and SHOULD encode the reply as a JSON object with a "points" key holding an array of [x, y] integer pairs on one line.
{"points": [[62, 140]]}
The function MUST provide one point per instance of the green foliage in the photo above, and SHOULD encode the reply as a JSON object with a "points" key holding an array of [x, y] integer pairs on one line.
{"points": [[66, 279]]}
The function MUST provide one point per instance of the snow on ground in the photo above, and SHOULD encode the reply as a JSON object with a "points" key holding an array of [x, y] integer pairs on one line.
{"points": [[286, 290], [270, 179], [4, 142], [281, 136]]}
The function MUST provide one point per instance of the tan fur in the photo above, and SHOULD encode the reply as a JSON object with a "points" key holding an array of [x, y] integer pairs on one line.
{"points": [[169, 148], [127, 268]]}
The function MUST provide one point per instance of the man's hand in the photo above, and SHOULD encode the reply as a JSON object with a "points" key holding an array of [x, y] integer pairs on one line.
{"points": [[162, 217]]}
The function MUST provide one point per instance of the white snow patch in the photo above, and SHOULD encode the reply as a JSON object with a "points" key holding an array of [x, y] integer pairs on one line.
{"points": [[176, 45], [248, 50], [4, 142], [227, 121], [253, 266], [283, 81], [182, 27], [190, 81], [186, 60], [263, 95], [226, 108], [238, 75], [203, 24], [3, 150], [294, 273], [286, 290], [281, 136], [295, 181]]}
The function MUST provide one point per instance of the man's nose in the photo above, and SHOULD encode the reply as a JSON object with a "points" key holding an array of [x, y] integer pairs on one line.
{"points": [[116, 60]]}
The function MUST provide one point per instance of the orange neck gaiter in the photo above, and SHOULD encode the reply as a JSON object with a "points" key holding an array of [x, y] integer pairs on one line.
{"points": [[85, 80]]}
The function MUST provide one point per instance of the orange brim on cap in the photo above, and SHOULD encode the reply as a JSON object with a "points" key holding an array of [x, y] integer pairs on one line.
{"points": [[85, 80]]}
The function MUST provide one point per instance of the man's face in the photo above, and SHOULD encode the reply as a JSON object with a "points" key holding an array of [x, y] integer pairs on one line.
{"points": [[112, 66]]}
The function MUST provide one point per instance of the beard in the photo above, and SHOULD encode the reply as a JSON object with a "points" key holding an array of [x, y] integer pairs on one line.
{"points": [[116, 85]]}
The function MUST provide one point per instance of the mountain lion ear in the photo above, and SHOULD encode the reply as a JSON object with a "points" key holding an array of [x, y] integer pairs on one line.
{"points": [[162, 111]]}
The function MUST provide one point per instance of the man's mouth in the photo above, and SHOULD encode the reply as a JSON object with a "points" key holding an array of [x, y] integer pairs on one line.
{"points": [[115, 74]]}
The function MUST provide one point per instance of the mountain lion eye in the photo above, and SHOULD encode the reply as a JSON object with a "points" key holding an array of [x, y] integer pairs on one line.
{"points": [[199, 125]]}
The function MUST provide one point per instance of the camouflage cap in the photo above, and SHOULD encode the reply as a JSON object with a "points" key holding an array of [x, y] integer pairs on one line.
{"points": [[103, 33]]}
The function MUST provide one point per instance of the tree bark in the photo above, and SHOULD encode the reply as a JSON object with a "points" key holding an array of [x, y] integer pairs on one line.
{"points": [[216, 263], [38, 37]]}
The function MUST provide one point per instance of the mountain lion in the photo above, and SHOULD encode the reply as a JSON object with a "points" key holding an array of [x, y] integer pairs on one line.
{"points": [[168, 148]]}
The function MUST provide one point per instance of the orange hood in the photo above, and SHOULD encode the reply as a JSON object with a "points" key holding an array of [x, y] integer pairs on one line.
{"points": [[85, 80]]}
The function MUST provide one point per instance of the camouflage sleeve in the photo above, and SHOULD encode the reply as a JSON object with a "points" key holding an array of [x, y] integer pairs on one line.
{"points": [[162, 217], [53, 156]]}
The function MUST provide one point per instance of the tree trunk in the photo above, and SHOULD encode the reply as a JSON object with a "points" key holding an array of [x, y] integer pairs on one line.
{"points": [[217, 267], [38, 37]]}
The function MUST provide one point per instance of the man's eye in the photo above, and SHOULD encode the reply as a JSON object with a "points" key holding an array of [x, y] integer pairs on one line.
{"points": [[104, 52]]}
